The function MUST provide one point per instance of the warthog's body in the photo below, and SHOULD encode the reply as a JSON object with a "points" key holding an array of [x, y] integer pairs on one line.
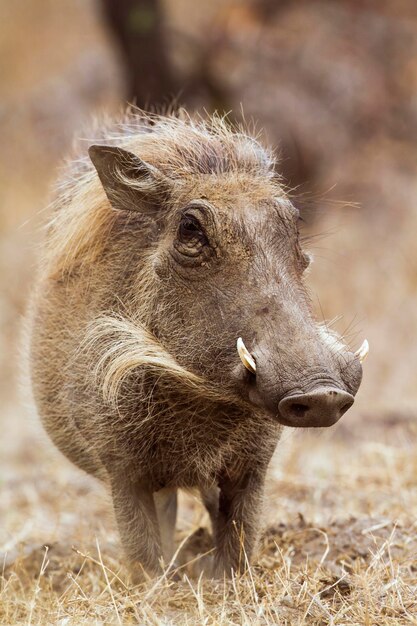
{"points": [[139, 303]]}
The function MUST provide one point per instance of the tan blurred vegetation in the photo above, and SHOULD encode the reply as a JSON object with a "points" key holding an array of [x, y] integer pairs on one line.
{"points": [[334, 84]]}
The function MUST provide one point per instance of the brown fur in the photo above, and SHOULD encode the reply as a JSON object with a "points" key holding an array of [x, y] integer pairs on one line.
{"points": [[133, 360]]}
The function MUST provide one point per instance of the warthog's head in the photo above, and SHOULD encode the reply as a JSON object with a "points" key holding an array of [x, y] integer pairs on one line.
{"points": [[223, 257]]}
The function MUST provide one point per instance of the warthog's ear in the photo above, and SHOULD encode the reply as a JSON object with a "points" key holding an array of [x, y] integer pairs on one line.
{"points": [[130, 183]]}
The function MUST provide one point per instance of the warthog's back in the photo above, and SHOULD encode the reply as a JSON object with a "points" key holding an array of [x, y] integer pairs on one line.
{"points": [[59, 319]]}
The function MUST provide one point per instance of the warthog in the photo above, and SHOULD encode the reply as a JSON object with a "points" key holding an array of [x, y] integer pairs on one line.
{"points": [[172, 336]]}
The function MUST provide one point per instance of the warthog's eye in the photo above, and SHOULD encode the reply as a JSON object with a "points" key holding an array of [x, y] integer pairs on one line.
{"points": [[190, 229], [190, 232], [191, 246]]}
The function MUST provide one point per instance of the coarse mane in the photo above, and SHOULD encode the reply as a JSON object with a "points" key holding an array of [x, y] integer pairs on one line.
{"points": [[179, 146]]}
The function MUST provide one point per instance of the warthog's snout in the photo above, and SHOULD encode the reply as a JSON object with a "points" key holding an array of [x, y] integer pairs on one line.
{"points": [[316, 394], [322, 407]]}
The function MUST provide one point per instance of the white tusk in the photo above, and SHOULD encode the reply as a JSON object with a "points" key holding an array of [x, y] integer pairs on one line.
{"points": [[245, 356], [363, 351]]}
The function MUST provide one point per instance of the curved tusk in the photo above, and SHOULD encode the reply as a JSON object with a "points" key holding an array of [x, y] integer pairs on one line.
{"points": [[245, 356], [363, 351]]}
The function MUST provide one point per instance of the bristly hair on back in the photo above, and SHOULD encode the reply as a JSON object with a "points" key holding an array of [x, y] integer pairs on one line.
{"points": [[178, 145]]}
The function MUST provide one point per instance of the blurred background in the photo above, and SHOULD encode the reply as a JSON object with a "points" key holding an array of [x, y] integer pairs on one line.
{"points": [[334, 85]]}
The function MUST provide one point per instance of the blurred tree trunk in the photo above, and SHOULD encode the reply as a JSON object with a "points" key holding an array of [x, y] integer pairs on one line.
{"points": [[138, 28]]}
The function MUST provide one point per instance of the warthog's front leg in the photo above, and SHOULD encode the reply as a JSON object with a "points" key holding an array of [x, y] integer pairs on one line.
{"points": [[137, 521], [210, 498], [166, 510], [237, 523]]}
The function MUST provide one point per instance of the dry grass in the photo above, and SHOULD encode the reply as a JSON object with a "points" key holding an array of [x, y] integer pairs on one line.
{"points": [[340, 545]]}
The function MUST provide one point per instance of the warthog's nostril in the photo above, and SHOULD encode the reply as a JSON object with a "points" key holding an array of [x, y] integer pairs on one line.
{"points": [[321, 407], [345, 407], [299, 409]]}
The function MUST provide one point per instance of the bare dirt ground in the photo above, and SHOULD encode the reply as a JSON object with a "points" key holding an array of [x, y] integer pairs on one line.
{"points": [[339, 546]]}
